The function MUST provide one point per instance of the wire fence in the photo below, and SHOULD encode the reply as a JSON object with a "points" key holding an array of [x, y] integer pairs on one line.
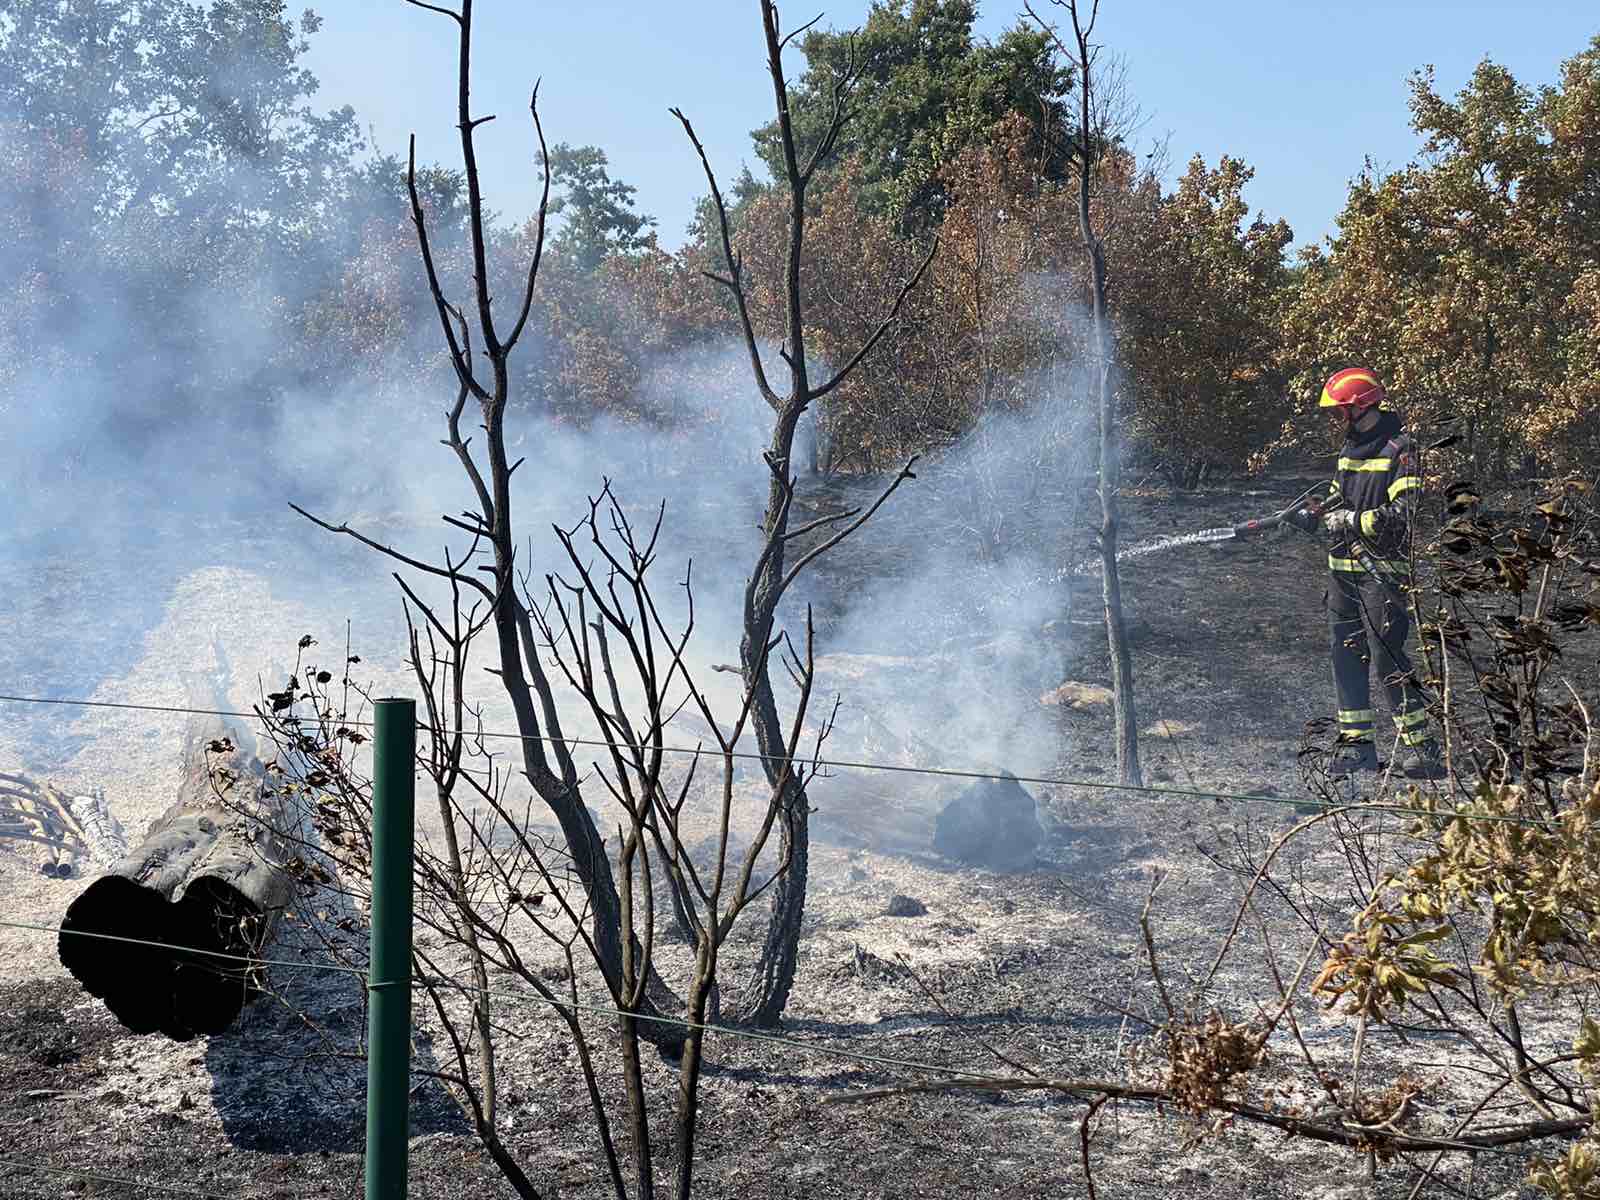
{"points": [[469, 988], [1139, 789], [611, 1011]]}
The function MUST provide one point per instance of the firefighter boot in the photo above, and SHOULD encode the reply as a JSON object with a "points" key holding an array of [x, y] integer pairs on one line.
{"points": [[1423, 761], [1352, 757]]}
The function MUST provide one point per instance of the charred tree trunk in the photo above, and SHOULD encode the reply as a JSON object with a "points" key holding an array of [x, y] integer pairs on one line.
{"points": [[209, 879], [775, 970], [769, 993], [1127, 721], [1089, 138], [780, 954], [546, 759]]}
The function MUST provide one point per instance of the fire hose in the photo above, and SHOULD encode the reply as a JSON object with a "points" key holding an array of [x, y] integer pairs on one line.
{"points": [[1318, 507], [1304, 500], [1309, 502]]}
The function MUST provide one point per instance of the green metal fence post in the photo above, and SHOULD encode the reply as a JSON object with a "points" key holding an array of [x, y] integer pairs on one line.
{"points": [[389, 973]]}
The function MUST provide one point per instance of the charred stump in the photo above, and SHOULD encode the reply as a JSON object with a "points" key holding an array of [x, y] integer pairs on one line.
{"points": [[993, 824], [209, 878]]}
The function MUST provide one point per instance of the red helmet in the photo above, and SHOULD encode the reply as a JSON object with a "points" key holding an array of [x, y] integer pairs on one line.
{"points": [[1354, 389]]}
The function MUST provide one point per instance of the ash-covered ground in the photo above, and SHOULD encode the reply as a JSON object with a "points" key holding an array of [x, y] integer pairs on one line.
{"points": [[1042, 966]]}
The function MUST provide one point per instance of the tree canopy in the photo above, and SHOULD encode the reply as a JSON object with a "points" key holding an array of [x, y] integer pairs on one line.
{"points": [[598, 216], [197, 112], [167, 181], [926, 87]]}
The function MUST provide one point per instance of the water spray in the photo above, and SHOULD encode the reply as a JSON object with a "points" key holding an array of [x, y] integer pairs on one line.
{"points": [[1221, 533], [1224, 533]]}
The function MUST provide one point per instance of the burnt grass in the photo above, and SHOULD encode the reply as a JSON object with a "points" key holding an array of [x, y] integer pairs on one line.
{"points": [[1044, 967]]}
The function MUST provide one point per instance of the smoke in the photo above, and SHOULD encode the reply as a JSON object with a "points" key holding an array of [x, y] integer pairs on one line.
{"points": [[161, 407], [957, 608]]}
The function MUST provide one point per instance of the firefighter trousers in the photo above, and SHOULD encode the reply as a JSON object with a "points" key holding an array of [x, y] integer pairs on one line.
{"points": [[1370, 619]]}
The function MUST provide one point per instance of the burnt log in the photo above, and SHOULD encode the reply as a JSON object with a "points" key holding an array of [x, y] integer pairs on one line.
{"points": [[209, 881]]}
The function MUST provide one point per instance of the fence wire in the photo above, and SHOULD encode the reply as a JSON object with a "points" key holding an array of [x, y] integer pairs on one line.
{"points": [[471, 989], [1303, 803]]}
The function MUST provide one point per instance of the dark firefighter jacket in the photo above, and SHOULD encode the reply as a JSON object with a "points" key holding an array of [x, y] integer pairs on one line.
{"points": [[1378, 480]]}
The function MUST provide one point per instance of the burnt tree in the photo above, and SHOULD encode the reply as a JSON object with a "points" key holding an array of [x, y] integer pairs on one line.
{"points": [[1095, 136], [774, 572], [547, 761], [490, 880]]}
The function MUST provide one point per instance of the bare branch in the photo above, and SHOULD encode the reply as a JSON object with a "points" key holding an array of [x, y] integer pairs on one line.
{"points": [[800, 564], [734, 281], [1083, 1141], [458, 355], [416, 563], [453, 424], [1150, 953], [446, 12], [469, 162], [838, 115], [544, 209], [1345, 1133], [794, 33]]}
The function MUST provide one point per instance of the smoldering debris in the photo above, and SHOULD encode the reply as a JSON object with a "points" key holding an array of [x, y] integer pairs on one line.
{"points": [[68, 830], [992, 824], [905, 906]]}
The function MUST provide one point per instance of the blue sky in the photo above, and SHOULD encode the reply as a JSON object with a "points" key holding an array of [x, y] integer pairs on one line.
{"points": [[1301, 91]]}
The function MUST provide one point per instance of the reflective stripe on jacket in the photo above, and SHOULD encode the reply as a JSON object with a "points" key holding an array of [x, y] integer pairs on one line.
{"points": [[1377, 478]]}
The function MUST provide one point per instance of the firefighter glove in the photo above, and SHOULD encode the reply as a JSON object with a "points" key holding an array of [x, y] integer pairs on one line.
{"points": [[1340, 522]]}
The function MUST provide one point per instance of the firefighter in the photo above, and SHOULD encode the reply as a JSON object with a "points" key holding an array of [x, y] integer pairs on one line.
{"points": [[1368, 513]]}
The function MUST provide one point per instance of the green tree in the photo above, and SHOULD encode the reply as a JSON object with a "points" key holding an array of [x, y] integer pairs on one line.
{"points": [[377, 191], [199, 113], [925, 87], [598, 217], [704, 231], [177, 205]]}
